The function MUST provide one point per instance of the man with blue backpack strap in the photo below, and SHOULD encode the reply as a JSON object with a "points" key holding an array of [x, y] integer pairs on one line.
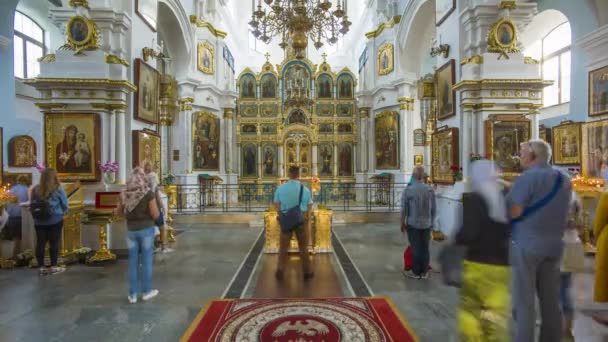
{"points": [[539, 202], [293, 202]]}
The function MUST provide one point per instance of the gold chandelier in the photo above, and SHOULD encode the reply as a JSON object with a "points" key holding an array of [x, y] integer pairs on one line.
{"points": [[296, 21]]}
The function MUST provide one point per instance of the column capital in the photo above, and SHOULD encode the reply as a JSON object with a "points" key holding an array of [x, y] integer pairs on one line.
{"points": [[406, 103], [185, 103], [228, 113], [364, 112]]}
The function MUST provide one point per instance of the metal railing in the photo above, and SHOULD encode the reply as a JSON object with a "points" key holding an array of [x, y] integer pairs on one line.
{"points": [[364, 197]]}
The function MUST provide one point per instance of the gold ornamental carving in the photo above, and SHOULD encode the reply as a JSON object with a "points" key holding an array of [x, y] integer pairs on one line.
{"points": [[228, 113], [81, 34], [508, 4], [364, 112], [88, 81], [113, 59], [79, 3], [502, 38], [406, 103], [476, 59], [390, 24], [48, 58], [203, 24], [530, 60]]}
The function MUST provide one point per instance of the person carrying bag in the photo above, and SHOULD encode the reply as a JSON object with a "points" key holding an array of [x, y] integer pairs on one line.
{"points": [[292, 214]]}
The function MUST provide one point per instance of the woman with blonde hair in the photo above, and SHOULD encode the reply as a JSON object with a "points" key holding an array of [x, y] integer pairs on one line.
{"points": [[48, 204], [138, 204]]}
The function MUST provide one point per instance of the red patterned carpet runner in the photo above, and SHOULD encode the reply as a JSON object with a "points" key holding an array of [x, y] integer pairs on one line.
{"points": [[300, 320]]}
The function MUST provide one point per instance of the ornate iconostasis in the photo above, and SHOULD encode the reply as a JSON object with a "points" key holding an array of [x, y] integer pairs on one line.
{"points": [[297, 114]]}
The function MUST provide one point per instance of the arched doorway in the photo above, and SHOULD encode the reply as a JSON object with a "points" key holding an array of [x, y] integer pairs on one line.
{"points": [[298, 152]]}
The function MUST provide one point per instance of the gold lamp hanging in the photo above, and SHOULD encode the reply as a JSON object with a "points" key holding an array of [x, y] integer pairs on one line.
{"points": [[299, 20]]}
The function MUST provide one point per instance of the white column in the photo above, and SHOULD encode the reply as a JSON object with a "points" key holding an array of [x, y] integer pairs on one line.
{"points": [[534, 125], [363, 141], [371, 145], [165, 160], [238, 160], [112, 136], [187, 138], [121, 146], [228, 116], [403, 134], [467, 132], [221, 144], [315, 160], [281, 166]]}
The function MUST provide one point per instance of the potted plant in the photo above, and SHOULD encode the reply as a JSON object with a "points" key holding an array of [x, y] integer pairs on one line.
{"points": [[456, 173]]}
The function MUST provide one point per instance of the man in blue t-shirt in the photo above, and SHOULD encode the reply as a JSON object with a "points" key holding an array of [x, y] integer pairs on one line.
{"points": [[537, 241], [286, 197], [12, 231]]}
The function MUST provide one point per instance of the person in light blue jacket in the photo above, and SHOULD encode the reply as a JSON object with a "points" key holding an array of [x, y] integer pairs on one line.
{"points": [[48, 229]]}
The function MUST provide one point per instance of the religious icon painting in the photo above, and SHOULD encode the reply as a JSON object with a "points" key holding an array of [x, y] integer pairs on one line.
{"points": [[146, 103], [147, 150], [387, 140], [269, 129], [345, 109], [324, 86], [205, 141], [269, 160], [386, 59], [72, 145], [247, 86], [443, 9], [345, 160], [504, 134], [325, 109], [268, 110], [81, 33], [325, 157], [595, 149], [248, 110], [446, 105], [598, 91], [444, 155], [17, 178], [205, 58], [249, 129], [21, 151], [566, 143], [148, 12], [268, 83], [326, 128], [419, 137], [346, 86], [345, 128], [297, 116], [249, 157], [418, 159]]}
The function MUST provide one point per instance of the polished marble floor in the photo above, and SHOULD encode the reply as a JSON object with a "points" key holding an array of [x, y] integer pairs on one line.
{"points": [[211, 261]]}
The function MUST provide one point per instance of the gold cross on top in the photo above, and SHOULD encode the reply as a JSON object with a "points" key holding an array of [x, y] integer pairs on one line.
{"points": [[267, 57], [324, 55]]}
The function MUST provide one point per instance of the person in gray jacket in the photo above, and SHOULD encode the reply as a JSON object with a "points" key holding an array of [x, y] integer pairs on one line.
{"points": [[418, 210]]}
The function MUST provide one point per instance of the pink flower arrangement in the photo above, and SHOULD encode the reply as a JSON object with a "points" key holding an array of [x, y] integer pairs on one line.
{"points": [[39, 167], [108, 166]]}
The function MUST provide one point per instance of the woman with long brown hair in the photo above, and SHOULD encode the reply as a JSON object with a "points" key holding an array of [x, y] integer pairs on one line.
{"points": [[138, 205], [48, 203]]}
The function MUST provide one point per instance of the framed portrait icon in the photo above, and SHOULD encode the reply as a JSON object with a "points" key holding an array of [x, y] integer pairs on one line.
{"points": [[80, 32], [205, 58], [444, 154], [445, 78], [566, 143], [73, 145], [21, 151], [146, 150], [594, 149], [147, 95], [386, 62], [598, 91]]}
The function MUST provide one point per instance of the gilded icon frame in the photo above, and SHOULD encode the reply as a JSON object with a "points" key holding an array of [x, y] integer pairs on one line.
{"points": [[591, 146], [55, 123], [444, 154], [208, 139], [202, 48], [418, 159], [560, 134], [499, 127], [89, 41], [142, 71], [386, 128], [13, 154], [445, 75], [603, 75], [141, 139], [388, 50]]}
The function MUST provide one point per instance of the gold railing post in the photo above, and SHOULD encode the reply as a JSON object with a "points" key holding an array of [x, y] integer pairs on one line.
{"points": [[103, 254]]}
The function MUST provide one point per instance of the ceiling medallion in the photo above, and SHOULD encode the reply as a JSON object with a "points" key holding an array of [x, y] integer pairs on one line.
{"points": [[296, 21]]}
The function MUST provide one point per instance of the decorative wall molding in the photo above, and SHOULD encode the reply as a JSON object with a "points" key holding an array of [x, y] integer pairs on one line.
{"points": [[596, 46]]}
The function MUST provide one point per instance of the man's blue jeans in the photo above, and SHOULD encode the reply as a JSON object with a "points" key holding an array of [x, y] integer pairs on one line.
{"points": [[419, 240], [565, 296], [140, 242]]}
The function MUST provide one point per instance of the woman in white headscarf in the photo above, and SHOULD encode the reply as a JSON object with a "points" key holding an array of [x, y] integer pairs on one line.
{"points": [[485, 302]]}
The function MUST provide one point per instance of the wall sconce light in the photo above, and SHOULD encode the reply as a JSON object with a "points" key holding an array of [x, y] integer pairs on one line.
{"points": [[441, 49], [148, 52]]}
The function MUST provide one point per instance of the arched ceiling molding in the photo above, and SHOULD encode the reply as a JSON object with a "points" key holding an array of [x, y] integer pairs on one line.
{"points": [[542, 23], [184, 22], [600, 9], [414, 35]]}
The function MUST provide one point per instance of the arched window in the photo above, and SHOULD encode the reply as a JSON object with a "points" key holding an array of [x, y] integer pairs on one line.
{"points": [[29, 45], [554, 52]]}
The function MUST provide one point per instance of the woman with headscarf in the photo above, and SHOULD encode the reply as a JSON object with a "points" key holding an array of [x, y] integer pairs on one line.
{"points": [[138, 204], [485, 301]]}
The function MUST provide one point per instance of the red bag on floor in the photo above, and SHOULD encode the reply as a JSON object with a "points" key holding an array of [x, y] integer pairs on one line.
{"points": [[407, 259]]}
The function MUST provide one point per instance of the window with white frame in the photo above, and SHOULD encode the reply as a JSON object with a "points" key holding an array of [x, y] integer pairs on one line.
{"points": [[553, 51], [29, 45]]}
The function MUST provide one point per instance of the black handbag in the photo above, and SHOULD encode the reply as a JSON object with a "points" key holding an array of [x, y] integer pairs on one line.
{"points": [[293, 217]]}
